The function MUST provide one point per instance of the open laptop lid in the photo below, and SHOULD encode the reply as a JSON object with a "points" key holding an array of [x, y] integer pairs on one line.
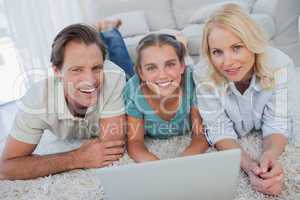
{"points": [[209, 176]]}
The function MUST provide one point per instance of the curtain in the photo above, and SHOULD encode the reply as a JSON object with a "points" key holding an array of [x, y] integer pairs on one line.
{"points": [[33, 25]]}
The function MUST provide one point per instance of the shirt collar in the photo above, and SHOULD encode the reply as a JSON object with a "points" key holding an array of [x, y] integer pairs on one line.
{"points": [[63, 109], [231, 88]]}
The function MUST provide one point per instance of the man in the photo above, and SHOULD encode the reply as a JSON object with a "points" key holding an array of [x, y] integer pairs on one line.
{"points": [[83, 100]]}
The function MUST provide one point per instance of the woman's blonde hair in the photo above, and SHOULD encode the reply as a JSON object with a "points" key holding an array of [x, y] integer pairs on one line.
{"points": [[233, 18]]}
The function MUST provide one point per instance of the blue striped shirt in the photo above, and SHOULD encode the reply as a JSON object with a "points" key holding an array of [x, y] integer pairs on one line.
{"points": [[228, 114]]}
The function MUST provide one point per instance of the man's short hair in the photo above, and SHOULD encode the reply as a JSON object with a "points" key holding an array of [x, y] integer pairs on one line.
{"points": [[75, 32]]}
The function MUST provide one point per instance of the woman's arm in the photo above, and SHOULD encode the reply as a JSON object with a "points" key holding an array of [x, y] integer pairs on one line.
{"points": [[199, 143], [274, 145], [247, 163], [269, 185], [136, 146]]}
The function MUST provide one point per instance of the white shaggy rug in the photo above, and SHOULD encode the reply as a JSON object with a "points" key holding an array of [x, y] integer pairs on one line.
{"points": [[84, 184]]}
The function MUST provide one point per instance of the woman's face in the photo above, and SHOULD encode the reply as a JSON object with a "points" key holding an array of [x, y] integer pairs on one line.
{"points": [[229, 55], [161, 69]]}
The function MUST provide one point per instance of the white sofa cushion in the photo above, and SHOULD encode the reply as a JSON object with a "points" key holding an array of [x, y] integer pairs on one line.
{"points": [[204, 12], [168, 31], [158, 14], [193, 33], [133, 23], [284, 14], [184, 9], [131, 42], [266, 22]]}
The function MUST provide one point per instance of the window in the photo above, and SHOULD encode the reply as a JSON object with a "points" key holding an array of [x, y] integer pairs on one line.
{"points": [[10, 70]]}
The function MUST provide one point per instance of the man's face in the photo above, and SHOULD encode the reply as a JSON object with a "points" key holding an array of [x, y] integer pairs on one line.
{"points": [[81, 74]]}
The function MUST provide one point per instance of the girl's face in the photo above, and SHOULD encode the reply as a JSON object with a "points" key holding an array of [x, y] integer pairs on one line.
{"points": [[161, 69], [229, 55]]}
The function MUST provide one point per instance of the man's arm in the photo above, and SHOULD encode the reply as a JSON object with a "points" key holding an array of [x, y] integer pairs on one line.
{"points": [[247, 163], [18, 162], [112, 128]]}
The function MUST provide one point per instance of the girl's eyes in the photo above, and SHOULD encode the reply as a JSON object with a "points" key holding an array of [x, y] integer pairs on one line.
{"points": [[150, 68]]}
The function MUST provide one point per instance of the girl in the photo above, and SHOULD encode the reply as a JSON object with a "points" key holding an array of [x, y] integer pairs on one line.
{"points": [[244, 88], [160, 98]]}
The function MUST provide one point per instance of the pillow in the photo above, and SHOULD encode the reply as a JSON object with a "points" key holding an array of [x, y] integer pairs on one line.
{"points": [[202, 13], [133, 23]]}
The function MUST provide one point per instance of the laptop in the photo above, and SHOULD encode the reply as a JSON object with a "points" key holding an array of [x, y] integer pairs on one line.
{"points": [[209, 176]]}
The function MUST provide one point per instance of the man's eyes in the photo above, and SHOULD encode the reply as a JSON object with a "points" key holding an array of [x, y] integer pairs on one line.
{"points": [[76, 70]]}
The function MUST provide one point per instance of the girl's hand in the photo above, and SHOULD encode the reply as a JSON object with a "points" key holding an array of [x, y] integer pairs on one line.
{"points": [[198, 145]]}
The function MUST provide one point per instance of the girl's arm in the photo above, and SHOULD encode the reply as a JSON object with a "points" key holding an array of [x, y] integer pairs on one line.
{"points": [[136, 145], [199, 143]]}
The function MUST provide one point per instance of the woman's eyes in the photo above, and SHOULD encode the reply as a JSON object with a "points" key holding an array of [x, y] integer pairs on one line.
{"points": [[217, 52], [237, 47]]}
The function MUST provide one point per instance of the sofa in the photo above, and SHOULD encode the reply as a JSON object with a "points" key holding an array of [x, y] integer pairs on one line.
{"points": [[278, 18]]}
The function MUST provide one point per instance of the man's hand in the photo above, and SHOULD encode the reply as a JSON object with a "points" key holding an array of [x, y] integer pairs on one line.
{"points": [[95, 153]]}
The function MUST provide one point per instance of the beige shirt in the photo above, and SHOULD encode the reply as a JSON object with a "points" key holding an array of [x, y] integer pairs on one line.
{"points": [[44, 108]]}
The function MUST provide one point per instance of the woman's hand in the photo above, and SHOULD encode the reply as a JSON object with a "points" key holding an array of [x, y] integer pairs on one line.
{"points": [[269, 166], [270, 182]]}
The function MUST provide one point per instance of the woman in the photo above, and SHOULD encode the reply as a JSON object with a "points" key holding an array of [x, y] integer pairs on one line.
{"points": [[244, 88], [160, 98]]}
